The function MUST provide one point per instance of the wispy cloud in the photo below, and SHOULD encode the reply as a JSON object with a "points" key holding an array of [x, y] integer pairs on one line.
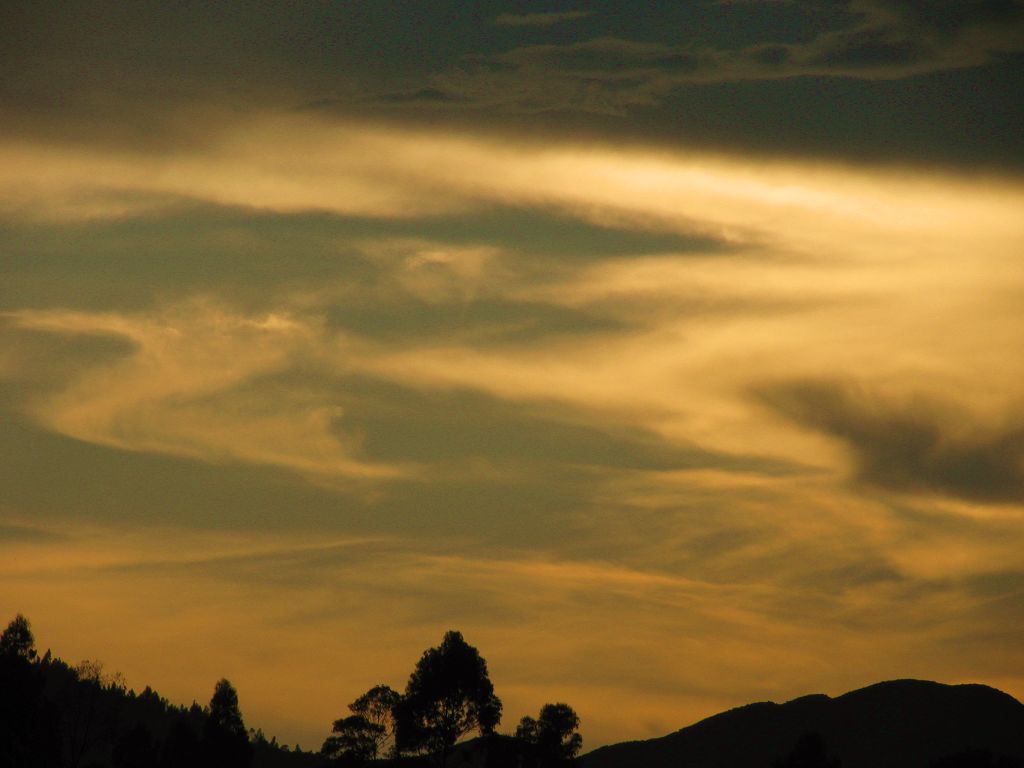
{"points": [[613, 75], [538, 19], [183, 392], [814, 254], [577, 410]]}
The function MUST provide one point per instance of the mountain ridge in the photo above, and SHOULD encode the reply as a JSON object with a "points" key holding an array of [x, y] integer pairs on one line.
{"points": [[891, 724]]}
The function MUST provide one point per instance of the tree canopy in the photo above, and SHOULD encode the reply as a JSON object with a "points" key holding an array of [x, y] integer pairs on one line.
{"points": [[363, 735], [224, 711], [448, 695], [553, 737], [17, 640], [225, 740], [355, 740]]}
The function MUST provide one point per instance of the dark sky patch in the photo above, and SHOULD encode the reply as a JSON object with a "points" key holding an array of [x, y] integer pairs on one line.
{"points": [[421, 95], [400, 424], [256, 257], [37, 361], [52, 478], [491, 322], [1000, 585], [869, 49], [771, 55], [911, 446], [951, 16], [27, 534], [538, 19], [55, 479]]}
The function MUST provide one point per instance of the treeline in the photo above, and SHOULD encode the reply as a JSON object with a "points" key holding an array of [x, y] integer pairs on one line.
{"points": [[450, 695], [55, 715]]}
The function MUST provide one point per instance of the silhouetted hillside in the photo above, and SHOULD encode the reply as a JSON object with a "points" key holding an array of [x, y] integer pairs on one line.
{"points": [[53, 715], [896, 724]]}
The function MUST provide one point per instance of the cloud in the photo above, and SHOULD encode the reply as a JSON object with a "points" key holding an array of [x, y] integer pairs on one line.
{"points": [[117, 76], [547, 406], [538, 19], [185, 390], [899, 39], [757, 270], [912, 446], [365, 170], [614, 75], [946, 17], [27, 534]]}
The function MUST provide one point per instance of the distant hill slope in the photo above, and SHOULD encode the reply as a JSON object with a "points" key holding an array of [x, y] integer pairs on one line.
{"points": [[54, 715], [896, 724]]}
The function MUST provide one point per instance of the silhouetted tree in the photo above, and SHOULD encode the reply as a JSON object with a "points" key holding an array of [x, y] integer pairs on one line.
{"points": [[552, 739], [28, 725], [363, 735], [377, 705], [225, 739], [448, 695], [355, 741], [809, 752], [17, 640], [224, 712]]}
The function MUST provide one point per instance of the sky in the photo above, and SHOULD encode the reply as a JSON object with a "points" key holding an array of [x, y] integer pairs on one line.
{"points": [[669, 351]]}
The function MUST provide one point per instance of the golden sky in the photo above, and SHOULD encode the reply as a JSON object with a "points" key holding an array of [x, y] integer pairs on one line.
{"points": [[676, 366]]}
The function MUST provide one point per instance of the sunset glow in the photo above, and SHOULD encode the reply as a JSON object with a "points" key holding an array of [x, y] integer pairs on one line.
{"points": [[296, 377]]}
